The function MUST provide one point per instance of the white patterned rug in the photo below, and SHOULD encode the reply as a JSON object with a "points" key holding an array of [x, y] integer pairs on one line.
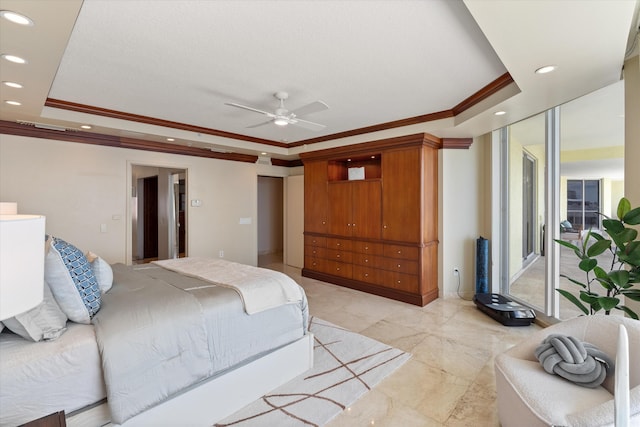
{"points": [[346, 365]]}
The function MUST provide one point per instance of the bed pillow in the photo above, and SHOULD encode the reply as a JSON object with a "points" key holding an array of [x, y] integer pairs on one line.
{"points": [[102, 271], [45, 321], [72, 281]]}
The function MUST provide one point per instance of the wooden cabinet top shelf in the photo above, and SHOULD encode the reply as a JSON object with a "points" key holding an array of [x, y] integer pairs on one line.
{"points": [[357, 168]]}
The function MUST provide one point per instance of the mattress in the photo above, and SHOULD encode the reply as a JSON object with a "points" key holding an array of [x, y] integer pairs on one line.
{"points": [[38, 378]]}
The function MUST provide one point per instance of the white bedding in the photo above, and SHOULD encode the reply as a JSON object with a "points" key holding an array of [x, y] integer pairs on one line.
{"points": [[259, 288], [38, 378], [41, 378]]}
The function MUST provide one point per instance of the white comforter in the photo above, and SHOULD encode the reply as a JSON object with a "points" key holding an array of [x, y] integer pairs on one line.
{"points": [[259, 289]]}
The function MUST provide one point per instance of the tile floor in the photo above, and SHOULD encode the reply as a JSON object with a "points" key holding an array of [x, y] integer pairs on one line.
{"points": [[449, 381]]}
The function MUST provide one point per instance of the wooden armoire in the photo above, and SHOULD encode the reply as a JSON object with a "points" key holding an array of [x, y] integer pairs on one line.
{"points": [[371, 217]]}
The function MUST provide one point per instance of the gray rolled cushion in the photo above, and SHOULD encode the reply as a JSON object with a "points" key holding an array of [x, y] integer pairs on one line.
{"points": [[581, 363]]}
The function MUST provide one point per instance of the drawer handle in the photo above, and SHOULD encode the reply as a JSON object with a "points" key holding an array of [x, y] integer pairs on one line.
{"points": [[384, 226], [338, 269], [398, 281], [366, 274], [324, 222], [366, 260], [398, 265], [314, 252], [399, 252], [366, 248], [338, 256], [338, 244]]}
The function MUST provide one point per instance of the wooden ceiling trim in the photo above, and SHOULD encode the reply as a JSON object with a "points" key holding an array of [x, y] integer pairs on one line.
{"points": [[375, 128], [89, 109], [490, 89], [457, 143], [372, 147], [12, 128]]}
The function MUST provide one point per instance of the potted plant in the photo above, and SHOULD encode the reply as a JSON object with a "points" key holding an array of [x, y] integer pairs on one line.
{"points": [[623, 274]]}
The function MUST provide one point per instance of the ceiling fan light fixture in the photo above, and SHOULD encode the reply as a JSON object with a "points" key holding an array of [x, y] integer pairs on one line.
{"points": [[281, 121]]}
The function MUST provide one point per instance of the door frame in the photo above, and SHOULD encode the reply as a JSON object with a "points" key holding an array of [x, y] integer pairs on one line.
{"points": [[130, 192]]}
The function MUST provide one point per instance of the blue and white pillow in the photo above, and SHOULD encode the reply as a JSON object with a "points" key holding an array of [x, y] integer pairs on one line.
{"points": [[72, 281]]}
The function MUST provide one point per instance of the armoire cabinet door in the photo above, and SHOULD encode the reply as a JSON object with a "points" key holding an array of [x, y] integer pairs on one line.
{"points": [[401, 195], [339, 194], [315, 197], [366, 212]]}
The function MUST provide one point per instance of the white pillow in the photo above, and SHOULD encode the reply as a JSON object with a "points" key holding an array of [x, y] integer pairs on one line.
{"points": [[102, 271], [45, 321], [72, 281]]}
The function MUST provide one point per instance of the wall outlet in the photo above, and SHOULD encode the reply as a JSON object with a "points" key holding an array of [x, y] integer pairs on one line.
{"points": [[221, 253], [456, 271]]}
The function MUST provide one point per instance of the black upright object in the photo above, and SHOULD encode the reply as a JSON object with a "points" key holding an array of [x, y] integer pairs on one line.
{"points": [[482, 265]]}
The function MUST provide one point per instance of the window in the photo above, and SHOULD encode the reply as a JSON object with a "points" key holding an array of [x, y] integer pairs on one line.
{"points": [[583, 203]]}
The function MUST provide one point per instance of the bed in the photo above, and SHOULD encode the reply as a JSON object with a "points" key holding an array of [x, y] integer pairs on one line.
{"points": [[169, 345]]}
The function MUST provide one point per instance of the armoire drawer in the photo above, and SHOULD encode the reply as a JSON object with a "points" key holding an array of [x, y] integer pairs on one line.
{"points": [[339, 255], [401, 281], [367, 248], [315, 241], [341, 244], [403, 252], [401, 265], [368, 274], [315, 251]]}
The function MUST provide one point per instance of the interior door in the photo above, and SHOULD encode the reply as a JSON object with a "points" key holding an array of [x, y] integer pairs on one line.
{"points": [[150, 215]]}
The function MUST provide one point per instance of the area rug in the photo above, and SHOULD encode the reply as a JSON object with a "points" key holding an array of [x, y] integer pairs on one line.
{"points": [[346, 365]]}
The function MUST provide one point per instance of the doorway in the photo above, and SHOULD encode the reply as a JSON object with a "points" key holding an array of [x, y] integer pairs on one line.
{"points": [[270, 220], [158, 213]]}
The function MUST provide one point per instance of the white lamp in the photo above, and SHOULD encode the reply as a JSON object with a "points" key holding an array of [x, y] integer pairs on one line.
{"points": [[8, 208], [21, 263]]}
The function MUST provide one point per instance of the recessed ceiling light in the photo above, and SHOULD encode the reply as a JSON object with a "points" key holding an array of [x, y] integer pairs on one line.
{"points": [[546, 69], [263, 154], [500, 113], [85, 127], [170, 139], [13, 58], [13, 85], [13, 102], [16, 17]]}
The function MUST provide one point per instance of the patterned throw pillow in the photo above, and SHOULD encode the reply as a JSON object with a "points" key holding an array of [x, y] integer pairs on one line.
{"points": [[102, 270], [72, 281]]}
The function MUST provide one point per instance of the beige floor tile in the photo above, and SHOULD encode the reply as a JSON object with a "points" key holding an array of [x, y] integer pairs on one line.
{"points": [[449, 381]]}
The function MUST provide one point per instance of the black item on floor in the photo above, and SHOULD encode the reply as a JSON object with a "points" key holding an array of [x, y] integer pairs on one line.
{"points": [[505, 311]]}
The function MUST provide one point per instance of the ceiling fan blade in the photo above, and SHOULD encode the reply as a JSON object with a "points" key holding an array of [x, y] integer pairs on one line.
{"points": [[314, 107], [245, 107], [307, 124], [260, 124]]}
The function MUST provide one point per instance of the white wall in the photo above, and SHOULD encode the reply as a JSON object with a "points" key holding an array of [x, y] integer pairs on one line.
{"points": [[463, 202], [80, 186], [294, 221]]}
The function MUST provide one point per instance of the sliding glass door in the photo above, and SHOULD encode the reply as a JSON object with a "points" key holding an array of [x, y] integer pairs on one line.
{"points": [[562, 170]]}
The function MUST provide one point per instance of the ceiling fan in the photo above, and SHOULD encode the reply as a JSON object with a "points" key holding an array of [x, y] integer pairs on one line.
{"points": [[284, 117]]}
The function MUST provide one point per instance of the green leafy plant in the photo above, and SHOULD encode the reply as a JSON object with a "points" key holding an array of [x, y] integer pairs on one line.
{"points": [[624, 272]]}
